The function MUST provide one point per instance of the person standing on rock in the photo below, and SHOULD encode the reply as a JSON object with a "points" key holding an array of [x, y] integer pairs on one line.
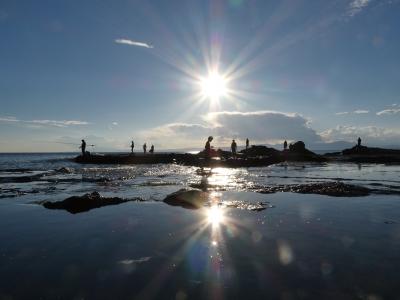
{"points": [[151, 149], [144, 148], [247, 143], [285, 145], [132, 146], [233, 148], [83, 147], [359, 142], [207, 147]]}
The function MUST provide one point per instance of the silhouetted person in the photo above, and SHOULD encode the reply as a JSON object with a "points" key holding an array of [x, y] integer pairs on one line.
{"points": [[247, 143], [207, 148], [151, 149], [144, 148], [132, 146], [285, 145], [233, 148], [359, 142], [83, 147]]}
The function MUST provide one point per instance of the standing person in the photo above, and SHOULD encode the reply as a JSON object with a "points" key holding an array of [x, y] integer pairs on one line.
{"points": [[285, 145], [233, 148], [207, 148], [151, 149], [83, 147], [359, 142], [132, 146], [247, 143], [144, 148]]}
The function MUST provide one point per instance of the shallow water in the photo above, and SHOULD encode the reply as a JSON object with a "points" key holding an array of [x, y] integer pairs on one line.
{"points": [[300, 247]]}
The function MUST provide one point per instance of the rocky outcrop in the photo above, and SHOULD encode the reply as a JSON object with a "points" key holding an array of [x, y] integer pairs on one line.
{"points": [[255, 151], [78, 204], [335, 189], [192, 199], [363, 154]]}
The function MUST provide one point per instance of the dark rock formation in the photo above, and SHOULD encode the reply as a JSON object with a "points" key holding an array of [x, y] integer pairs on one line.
{"points": [[336, 189], [255, 151], [363, 154], [192, 199], [298, 147], [78, 204], [256, 156]]}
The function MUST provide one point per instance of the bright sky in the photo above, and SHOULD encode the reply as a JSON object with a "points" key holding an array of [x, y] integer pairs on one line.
{"points": [[170, 73]]}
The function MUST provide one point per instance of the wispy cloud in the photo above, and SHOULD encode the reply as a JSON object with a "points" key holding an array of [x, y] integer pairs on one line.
{"points": [[357, 112], [133, 43], [361, 111], [357, 6], [390, 111], [53, 123]]}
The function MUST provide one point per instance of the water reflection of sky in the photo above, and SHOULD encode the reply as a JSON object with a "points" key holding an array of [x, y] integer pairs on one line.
{"points": [[307, 245]]}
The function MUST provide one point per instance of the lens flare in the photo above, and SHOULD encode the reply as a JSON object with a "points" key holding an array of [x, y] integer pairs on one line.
{"points": [[214, 86], [215, 215]]}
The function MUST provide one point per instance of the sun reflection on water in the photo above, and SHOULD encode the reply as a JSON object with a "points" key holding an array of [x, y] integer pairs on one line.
{"points": [[215, 216]]}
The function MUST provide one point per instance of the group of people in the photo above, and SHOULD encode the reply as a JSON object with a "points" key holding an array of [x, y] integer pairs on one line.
{"points": [[144, 148], [208, 148], [83, 148]]}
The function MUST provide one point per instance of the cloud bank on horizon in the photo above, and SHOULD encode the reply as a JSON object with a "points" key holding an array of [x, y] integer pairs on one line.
{"points": [[264, 127]]}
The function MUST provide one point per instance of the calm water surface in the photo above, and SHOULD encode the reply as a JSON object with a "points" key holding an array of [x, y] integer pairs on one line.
{"points": [[300, 247]]}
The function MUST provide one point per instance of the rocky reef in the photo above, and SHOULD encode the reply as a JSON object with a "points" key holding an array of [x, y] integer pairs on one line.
{"points": [[335, 189], [256, 156], [78, 204], [363, 154]]}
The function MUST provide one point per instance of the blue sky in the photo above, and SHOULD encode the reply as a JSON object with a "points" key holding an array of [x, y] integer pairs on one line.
{"points": [[320, 71]]}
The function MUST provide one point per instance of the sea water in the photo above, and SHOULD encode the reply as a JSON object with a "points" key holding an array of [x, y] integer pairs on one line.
{"points": [[300, 247]]}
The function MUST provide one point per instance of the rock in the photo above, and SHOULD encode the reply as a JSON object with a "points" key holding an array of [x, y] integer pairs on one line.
{"points": [[363, 154], [65, 170], [335, 189], [78, 204], [259, 151], [192, 199], [298, 147]]}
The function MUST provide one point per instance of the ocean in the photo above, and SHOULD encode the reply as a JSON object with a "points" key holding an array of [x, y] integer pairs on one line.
{"points": [[301, 246]]}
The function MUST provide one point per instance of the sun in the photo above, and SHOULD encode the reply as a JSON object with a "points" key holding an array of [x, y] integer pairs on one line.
{"points": [[214, 86]]}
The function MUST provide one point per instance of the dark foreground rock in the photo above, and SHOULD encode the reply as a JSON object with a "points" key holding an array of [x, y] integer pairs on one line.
{"points": [[335, 189], [192, 199], [78, 204]]}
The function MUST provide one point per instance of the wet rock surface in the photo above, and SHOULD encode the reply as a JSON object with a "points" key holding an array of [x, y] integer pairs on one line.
{"points": [[195, 199], [191, 199], [78, 204], [335, 189]]}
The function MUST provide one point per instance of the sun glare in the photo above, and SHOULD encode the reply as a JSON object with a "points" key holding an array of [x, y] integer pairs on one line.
{"points": [[214, 86], [215, 215]]}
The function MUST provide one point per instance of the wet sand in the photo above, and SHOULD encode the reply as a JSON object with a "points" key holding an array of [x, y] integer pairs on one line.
{"points": [[305, 246]]}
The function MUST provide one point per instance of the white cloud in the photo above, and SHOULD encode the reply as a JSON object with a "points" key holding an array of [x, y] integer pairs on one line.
{"points": [[356, 6], [133, 43], [53, 123], [391, 111], [361, 111], [114, 123], [259, 126], [357, 112]]}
